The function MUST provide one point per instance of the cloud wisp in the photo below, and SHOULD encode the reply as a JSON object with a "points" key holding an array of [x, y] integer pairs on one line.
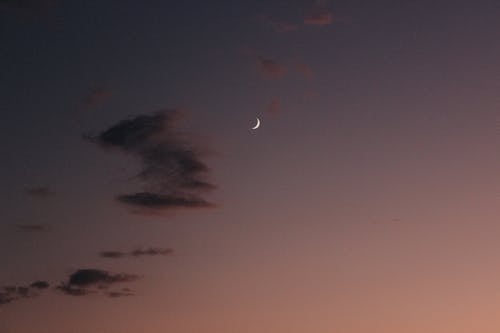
{"points": [[270, 67], [141, 252], [96, 96], [39, 191], [173, 174], [318, 14]]}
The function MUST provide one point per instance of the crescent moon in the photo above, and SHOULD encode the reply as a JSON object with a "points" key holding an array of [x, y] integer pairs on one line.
{"points": [[256, 125]]}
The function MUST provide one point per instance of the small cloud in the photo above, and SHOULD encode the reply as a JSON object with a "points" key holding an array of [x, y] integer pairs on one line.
{"points": [[141, 252], [96, 96], [151, 251], [32, 227], [319, 14], [39, 191], [305, 70], [112, 254], [274, 107], [122, 293], [278, 25], [271, 67], [40, 285], [86, 281]]}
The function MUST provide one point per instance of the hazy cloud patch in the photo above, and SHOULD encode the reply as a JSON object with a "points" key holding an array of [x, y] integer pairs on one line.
{"points": [[270, 67], [32, 227], [39, 191], [318, 14], [96, 96]]}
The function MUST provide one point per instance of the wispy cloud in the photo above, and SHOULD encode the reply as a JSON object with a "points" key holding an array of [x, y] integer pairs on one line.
{"points": [[274, 107], [305, 70], [173, 174], [39, 191], [271, 67], [141, 252], [278, 25], [32, 227], [319, 14], [96, 96]]}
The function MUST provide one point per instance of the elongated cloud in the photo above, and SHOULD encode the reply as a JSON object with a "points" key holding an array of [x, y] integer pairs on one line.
{"points": [[33, 227], [86, 281], [173, 174], [142, 252], [39, 191], [9, 294]]}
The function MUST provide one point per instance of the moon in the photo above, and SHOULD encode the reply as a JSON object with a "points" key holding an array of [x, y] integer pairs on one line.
{"points": [[256, 125]]}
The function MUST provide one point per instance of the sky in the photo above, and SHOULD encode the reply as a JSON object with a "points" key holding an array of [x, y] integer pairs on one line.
{"points": [[137, 197]]}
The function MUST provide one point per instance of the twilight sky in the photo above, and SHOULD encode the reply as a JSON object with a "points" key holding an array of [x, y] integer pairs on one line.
{"points": [[136, 198]]}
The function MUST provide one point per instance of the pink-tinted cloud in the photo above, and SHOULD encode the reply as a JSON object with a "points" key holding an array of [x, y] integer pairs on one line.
{"points": [[318, 14], [274, 107], [96, 96], [271, 67], [305, 70], [278, 25]]}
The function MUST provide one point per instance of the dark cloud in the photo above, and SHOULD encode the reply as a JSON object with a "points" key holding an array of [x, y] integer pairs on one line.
{"points": [[122, 293], [96, 96], [33, 227], [173, 174], [86, 281], [40, 285], [39, 191], [150, 251], [271, 67], [10, 294], [112, 254]]}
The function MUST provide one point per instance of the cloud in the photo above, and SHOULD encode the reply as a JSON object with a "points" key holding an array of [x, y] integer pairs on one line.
{"points": [[40, 285], [278, 25], [319, 14], [141, 252], [305, 70], [9, 294], [112, 254], [274, 107], [173, 174], [86, 281], [271, 67], [32, 227], [96, 96], [121, 293], [39, 191], [152, 251]]}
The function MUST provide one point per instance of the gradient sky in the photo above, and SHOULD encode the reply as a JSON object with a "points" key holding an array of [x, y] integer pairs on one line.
{"points": [[367, 201]]}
